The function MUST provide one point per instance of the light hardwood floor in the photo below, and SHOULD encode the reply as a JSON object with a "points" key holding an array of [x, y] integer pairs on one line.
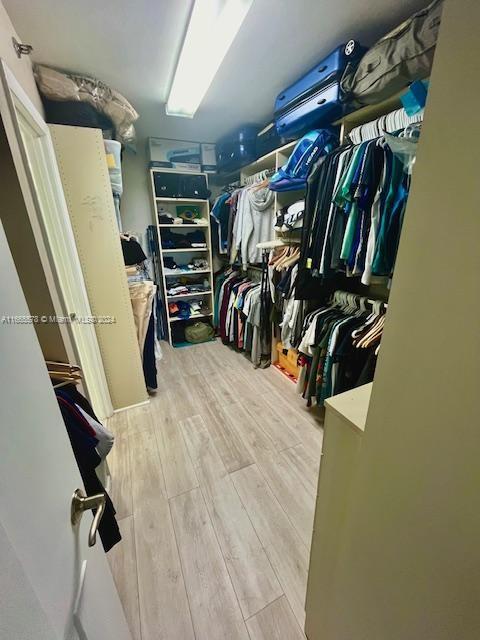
{"points": [[214, 482]]}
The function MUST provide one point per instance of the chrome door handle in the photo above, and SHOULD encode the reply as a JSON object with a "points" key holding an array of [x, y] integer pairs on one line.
{"points": [[81, 503]]}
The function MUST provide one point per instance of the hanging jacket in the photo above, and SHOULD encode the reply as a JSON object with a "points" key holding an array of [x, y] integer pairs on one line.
{"points": [[84, 449], [257, 221]]}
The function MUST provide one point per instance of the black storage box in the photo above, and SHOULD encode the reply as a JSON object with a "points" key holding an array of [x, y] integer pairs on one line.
{"points": [[76, 114], [180, 185], [237, 149], [268, 140]]}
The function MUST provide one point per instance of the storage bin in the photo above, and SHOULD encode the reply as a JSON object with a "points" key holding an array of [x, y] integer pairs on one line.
{"points": [[180, 185], [237, 149], [287, 360]]}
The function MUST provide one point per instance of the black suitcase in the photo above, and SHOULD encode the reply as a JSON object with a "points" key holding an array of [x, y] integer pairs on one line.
{"points": [[268, 140], [316, 100], [180, 185], [76, 114], [237, 149]]}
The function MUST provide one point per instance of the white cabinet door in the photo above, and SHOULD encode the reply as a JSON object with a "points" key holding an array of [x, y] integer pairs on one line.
{"points": [[36, 166], [49, 561]]}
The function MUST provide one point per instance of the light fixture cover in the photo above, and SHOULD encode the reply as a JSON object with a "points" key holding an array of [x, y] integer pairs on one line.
{"points": [[212, 28]]}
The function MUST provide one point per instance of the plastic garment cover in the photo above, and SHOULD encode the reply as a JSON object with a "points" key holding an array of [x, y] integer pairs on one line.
{"points": [[405, 149], [114, 162], [60, 86]]}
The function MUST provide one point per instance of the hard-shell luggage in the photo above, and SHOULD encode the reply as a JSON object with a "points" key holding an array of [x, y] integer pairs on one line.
{"points": [[237, 149], [268, 140], [402, 56], [316, 99], [180, 185]]}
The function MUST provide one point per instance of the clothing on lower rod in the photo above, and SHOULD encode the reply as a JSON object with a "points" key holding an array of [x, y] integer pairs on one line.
{"points": [[149, 362]]}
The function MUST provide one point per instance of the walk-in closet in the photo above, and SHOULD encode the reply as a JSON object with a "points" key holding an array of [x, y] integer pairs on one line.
{"points": [[239, 320]]}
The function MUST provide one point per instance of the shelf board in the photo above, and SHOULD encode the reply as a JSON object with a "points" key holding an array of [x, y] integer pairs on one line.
{"points": [[372, 111], [187, 200], [185, 250], [191, 317], [183, 226], [178, 272], [189, 295], [184, 172]]}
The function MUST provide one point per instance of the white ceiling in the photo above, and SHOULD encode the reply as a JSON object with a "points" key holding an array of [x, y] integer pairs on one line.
{"points": [[133, 47]]}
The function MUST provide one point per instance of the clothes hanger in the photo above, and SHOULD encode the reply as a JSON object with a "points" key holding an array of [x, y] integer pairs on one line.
{"points": [[261, 185], [293, 258], [65, 366], [278, 255], [65, 383], [374, 332], [283, 260]]}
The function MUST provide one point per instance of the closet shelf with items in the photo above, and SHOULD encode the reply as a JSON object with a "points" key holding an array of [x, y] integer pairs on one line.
{"points": [[183, 251]]}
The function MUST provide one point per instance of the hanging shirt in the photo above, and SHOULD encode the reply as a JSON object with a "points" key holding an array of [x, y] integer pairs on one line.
{"points": [[221, 213], [257, 223]]}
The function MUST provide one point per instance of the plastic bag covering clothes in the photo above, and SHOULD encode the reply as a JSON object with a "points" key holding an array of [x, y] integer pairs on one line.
{"points": [[405, 149], [113, 150], [293, 175], [56, 85]]}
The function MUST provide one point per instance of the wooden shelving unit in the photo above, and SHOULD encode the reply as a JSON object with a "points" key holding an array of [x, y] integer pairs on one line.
{"points": [[185, 255]]}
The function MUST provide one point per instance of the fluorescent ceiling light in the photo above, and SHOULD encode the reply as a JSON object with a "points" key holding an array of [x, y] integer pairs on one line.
{"points": [[212, 28]]}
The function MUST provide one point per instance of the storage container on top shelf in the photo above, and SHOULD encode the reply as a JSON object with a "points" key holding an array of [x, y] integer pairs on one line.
{"points": [[169, 184], [237, 149], [316, 99]]}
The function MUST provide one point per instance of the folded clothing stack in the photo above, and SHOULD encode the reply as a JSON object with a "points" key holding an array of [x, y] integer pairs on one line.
{"points": [[169, 263], [172, 268], [198, 264], [183, 309], [187, 217], [193, 240], [290, 218], [179, 288]]}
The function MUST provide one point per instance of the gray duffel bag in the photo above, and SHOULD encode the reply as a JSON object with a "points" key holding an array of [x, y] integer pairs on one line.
{"points": [[402, 56]]}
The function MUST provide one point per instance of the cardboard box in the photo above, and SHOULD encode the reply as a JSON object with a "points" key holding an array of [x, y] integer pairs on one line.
{"points": [[208, 157], [182, 154], [174, 154]]}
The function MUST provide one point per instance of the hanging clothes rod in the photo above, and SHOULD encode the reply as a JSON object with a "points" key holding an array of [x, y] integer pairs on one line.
{"points": [[343, 297], [278, 242], [388, 123], [258, 177]]}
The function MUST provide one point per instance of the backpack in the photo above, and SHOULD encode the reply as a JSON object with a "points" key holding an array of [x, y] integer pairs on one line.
{"points": [[199, 332], [293, 175], [400, 57]]}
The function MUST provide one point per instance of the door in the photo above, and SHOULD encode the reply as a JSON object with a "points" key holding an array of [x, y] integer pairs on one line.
{"points": [[52, 584], [36, 166]]}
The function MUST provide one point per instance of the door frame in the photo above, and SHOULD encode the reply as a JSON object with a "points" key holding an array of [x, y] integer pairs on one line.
{"points": [[54, 237]]}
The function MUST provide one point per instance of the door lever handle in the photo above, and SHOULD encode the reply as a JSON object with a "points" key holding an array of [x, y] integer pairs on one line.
{"points": [[81, 503]]}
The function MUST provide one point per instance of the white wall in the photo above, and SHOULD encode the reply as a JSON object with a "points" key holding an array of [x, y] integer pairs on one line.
{"points": [[136, 206], [21, 68]]}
